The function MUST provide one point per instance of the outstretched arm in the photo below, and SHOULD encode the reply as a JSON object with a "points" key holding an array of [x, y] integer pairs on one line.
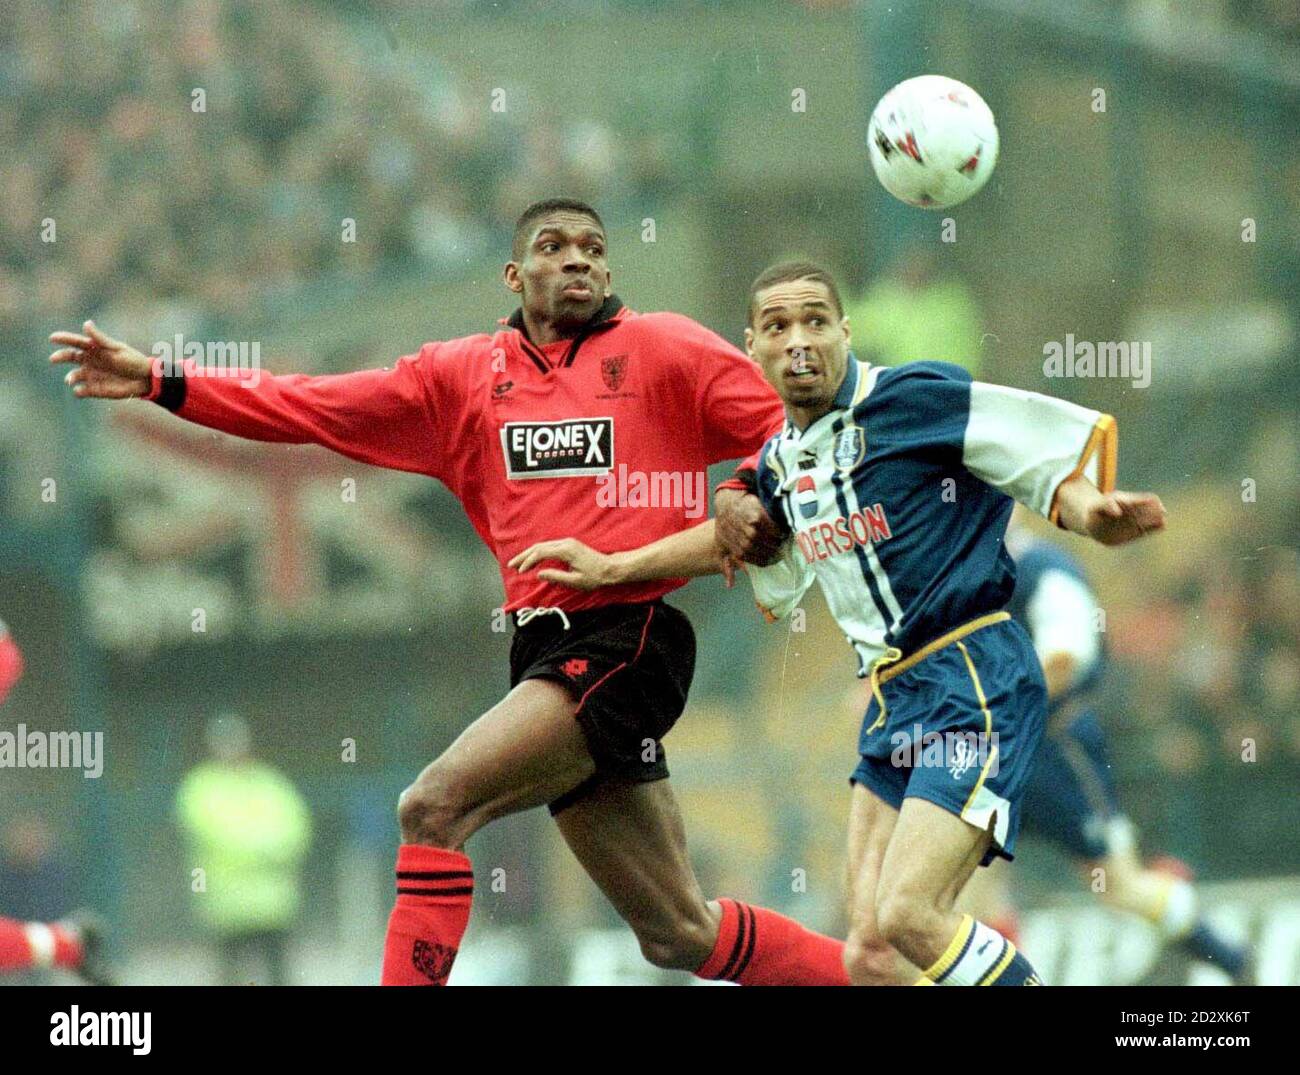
{"points": [[1057, 459], [687, 554], [384, 417]]}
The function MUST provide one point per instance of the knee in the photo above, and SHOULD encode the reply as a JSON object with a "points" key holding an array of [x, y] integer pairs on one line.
{"points": [[905, 921], [869, 960], [435, 809], [682, 942]]}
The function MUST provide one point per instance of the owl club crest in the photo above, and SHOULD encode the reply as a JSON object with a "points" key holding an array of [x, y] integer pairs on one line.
{"points": [[850, 447]]}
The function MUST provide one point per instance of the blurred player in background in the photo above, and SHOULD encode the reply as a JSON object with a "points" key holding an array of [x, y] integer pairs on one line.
{"points": [[894, 488], [1070, 800], [519, 424], [249, 829], [74, 944], [11, 662]]}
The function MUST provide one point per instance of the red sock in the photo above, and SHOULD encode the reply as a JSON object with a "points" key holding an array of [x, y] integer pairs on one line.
{"points": [[760, 947], [434, 889], [34, 944]]}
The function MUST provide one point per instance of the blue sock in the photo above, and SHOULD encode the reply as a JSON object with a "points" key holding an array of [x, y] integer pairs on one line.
{"points": [[1205, 944], [980, 955], [1018, 972]]}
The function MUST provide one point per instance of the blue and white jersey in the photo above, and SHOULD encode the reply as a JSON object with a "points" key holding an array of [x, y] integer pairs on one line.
{"points": [[1054, 603], [898, 498]]}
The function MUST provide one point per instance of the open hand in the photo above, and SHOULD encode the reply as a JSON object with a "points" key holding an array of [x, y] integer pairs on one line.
{"points": [[105, 368], [587, 568]]}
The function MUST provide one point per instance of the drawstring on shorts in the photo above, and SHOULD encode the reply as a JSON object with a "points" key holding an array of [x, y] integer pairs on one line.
{"points": [[524, 615], [891, 656]]}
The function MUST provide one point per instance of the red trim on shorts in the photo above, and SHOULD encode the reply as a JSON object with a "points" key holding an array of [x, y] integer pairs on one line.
{"points": [[644, 631]]}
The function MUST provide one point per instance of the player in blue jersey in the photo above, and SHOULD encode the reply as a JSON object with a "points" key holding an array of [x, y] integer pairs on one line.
{"points": [[892, 487], [1071, 799]]}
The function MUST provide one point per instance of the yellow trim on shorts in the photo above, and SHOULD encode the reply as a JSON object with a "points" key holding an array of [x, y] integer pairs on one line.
{"points": [[886, 674], [953, 950], [988, 728], [892, 662], [979, 689]]}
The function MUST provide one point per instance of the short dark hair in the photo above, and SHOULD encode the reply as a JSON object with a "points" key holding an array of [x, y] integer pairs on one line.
{"points": [[783, 272], [535, 212]]}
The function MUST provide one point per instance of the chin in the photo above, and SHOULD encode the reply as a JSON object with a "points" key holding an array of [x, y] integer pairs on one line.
{"points": [[805, 399], [577, 309]]}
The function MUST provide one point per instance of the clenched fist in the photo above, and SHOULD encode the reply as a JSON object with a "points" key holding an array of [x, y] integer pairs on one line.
{"points": [[744, 529]]}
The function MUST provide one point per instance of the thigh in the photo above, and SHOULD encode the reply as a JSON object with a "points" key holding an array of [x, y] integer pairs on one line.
{"points": [[631, 840], [931, 854], [629, 669], [525, 751]]}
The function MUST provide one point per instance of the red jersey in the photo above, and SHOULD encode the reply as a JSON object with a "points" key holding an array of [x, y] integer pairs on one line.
{"points": [[594, 438]]}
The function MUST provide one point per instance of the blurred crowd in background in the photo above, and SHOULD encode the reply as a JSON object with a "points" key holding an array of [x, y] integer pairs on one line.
{"points": [[199, 160], [208, 156]]}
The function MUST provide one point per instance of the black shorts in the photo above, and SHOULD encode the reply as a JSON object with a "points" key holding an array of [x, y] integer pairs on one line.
{"points": [[628, 667]]}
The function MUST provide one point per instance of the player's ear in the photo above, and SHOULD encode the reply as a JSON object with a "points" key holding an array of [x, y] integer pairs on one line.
{"points": [[844, 324], [749, 341], [511, 277]]}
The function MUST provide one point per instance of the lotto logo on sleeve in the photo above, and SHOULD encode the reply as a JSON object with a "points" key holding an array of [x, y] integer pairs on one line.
{"points": [[570, 448]]}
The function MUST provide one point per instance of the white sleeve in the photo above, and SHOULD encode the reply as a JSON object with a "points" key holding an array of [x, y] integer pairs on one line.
{"points": [[1026, 444], [779, 587], [1062, 617]]}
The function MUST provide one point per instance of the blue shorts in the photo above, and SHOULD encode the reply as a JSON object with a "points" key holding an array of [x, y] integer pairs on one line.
{"points": [[1071, 797], [961, 730]]}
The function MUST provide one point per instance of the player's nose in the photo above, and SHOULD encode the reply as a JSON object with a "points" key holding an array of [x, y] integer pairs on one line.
{"points": [[796, 344], [577, 261]]}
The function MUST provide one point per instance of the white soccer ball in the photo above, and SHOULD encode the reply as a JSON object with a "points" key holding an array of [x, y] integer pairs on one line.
{"points": [[933, 142]]}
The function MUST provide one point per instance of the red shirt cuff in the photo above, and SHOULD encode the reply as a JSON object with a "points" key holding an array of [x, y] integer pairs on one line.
{"points": [[155, 385]]}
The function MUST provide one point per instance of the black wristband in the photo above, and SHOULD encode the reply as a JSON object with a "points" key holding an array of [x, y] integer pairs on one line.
{"points": [[171, 392]]}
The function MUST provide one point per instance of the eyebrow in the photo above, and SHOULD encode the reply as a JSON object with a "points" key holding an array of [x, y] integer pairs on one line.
{"points": [[811, 304], [561, 231]]}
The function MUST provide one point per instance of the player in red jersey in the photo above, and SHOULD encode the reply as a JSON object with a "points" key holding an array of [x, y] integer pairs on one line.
{"points": [[73, 944], [530, 427], [11, 662]]}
